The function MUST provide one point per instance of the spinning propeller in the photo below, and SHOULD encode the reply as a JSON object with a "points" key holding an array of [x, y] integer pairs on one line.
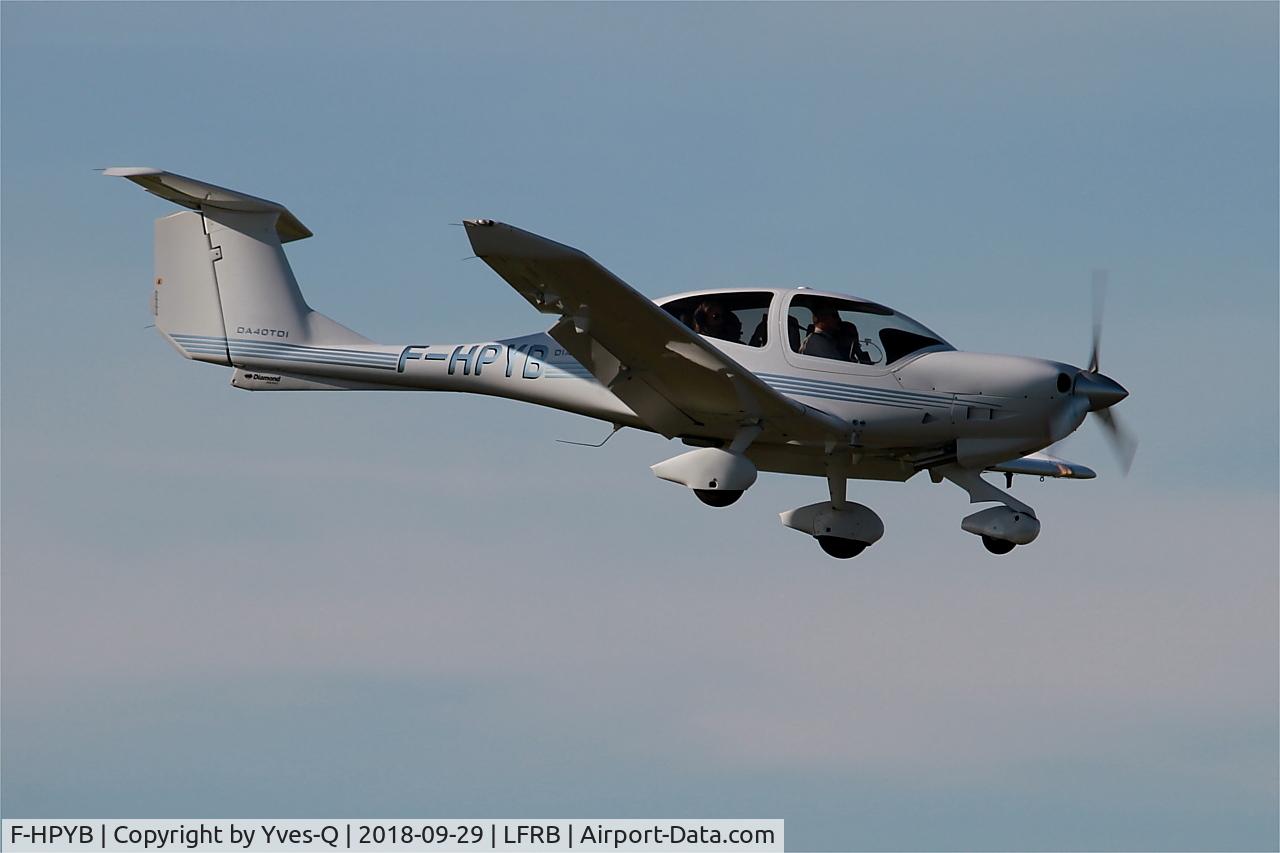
{"points": [[1102, 391]]}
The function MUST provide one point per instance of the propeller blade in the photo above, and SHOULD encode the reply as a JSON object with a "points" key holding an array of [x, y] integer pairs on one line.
{"points": [[1121, 440], [1099, 297]]}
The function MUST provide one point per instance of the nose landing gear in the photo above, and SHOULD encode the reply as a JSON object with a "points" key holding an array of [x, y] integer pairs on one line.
{"points": [[998, 546], [1001, 527]]}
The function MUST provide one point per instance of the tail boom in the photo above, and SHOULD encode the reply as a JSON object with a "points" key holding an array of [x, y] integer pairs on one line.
{"points": [[225, 294]]}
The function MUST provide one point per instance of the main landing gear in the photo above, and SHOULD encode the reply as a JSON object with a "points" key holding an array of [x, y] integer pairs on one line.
{"points": [[843, 529], [841, 548], [717, 476], [718, 497]]}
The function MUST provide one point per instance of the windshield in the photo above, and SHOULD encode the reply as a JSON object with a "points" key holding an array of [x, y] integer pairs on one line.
{"points": [[856, 332]]}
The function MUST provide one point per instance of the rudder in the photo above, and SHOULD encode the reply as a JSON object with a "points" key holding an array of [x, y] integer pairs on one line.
{"points": [[185, 301]]}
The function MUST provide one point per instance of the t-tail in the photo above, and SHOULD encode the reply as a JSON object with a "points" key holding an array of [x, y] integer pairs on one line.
{"points": [[224, 292]]}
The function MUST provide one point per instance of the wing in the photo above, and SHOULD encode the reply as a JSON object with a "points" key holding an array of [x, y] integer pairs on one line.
{"points": [[1044, 465], [671, 377]]}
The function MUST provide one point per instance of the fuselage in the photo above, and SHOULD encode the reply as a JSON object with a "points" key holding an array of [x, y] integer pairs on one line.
{"points": [[931, 400]]}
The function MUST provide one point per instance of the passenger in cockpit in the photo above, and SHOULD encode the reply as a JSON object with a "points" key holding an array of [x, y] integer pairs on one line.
{"points": [[711, 319]]}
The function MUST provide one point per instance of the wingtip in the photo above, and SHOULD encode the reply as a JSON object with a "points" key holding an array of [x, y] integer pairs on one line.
{"points": [[131, 171], [491, 238]]}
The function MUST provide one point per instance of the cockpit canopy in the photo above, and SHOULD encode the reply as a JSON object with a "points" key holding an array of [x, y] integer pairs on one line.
{"points": [[854, 331], [818, 325], [739, 317]]}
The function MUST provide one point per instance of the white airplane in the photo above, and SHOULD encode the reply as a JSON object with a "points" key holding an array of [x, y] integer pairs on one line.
{"points": [[791, 380]]}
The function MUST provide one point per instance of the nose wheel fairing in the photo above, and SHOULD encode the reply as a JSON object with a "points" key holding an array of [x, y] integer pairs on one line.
{"points": [[1001, 527], [1002, 524]]}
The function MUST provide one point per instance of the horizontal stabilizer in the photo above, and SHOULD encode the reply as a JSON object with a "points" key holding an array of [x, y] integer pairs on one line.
{"points": [[194, 194], [1044, 465]]}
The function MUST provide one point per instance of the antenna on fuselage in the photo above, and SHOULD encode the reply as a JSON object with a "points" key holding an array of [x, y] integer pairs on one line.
{"points": [[616, 429]]}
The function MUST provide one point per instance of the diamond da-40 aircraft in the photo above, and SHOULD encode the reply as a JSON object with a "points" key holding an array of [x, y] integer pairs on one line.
{"points": [[789, 380]]}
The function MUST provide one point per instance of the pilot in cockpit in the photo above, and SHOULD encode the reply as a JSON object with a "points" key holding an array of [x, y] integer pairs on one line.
{"points": [[824, 341]]}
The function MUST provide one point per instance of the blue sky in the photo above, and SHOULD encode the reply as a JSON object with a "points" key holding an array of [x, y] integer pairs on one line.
{"points": [[225, 604]]}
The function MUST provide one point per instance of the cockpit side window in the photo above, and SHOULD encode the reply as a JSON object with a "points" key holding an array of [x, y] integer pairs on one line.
{"points": [[739, 318], [856, 332]]}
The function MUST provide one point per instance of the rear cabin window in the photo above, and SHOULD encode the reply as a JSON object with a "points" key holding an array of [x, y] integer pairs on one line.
{"points": [[857, 332], [739, 318]]}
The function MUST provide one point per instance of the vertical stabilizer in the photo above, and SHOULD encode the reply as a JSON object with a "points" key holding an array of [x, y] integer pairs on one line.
{"points": [[224, 291], [260, 296]]}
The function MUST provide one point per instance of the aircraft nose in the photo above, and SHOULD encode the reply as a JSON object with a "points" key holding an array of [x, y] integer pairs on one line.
{"points": [[1103, 392]]}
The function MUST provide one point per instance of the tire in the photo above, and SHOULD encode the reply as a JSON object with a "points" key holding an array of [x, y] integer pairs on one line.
{"points": [[718, 497], [841, 548], [997, 546]]}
